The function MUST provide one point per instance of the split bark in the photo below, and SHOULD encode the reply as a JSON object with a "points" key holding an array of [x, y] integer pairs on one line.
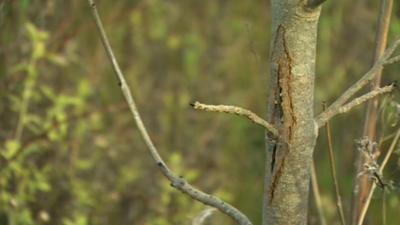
{"points": [[290, 110]]}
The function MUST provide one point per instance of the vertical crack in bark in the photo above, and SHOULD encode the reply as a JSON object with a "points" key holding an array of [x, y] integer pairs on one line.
{"points": [[273, 157], [285, 76], [277, 114], [287, 119]]}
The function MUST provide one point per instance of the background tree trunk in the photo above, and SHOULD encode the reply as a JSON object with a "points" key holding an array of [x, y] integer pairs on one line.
{"points": [[290, 109]]}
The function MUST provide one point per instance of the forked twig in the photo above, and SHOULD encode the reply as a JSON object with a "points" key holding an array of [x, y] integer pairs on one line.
{"points": [[360, 100], [328, 114], [176, 181], [332, 110]]}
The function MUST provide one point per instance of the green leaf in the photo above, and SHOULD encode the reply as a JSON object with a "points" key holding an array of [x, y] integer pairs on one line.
{"points": [[11, 148]]}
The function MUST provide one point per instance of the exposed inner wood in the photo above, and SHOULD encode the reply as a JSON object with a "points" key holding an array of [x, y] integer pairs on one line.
{"points": [[284, 108]]}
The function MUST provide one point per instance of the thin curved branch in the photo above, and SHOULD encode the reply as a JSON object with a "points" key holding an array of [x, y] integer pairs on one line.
{"points": [[378, 65], [238, 111], [317, 194], [176, 181], [332, 162], [355, 102]]}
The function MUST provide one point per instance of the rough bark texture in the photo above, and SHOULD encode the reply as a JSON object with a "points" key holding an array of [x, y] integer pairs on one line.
{"points": [[290, 109]]}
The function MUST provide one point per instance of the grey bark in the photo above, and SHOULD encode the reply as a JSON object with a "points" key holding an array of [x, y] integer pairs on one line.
{"points": [[290, 110]]}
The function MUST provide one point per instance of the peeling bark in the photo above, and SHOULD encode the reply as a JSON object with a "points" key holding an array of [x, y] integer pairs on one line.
{"points": [[290, 110]]}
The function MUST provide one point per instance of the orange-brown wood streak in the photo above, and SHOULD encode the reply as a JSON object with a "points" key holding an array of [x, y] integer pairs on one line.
{"points": [[284, 71]]}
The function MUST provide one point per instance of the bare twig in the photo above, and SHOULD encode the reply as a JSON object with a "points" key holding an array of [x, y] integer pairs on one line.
{"points": [[238, 111], [384, 206], [176, 181], [317, 195], [364, 207], [361, 185], [332, 162], [390, 151], [384, 60], [394, 59], [370, 95], [328, 114]]}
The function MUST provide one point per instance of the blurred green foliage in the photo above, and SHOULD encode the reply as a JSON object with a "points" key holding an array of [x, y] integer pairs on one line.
{"points": [[69, 150]]}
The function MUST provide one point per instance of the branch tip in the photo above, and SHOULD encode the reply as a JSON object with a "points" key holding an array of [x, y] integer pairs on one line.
{"points": [[334, 108], [193, 104], [395, 84], [238, 111]]}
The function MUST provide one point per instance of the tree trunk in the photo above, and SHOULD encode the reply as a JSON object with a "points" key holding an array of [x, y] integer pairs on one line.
{"points": [[290, 109]]}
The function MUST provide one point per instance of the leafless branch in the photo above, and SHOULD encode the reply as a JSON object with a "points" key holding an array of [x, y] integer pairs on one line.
{"points": [[332, 162], [328, 114], [317, 195], [358, 101], [384, 207], [378, 65], [365, 97], [394, 59], [364, 207], [176, 181], [238, 111]]}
